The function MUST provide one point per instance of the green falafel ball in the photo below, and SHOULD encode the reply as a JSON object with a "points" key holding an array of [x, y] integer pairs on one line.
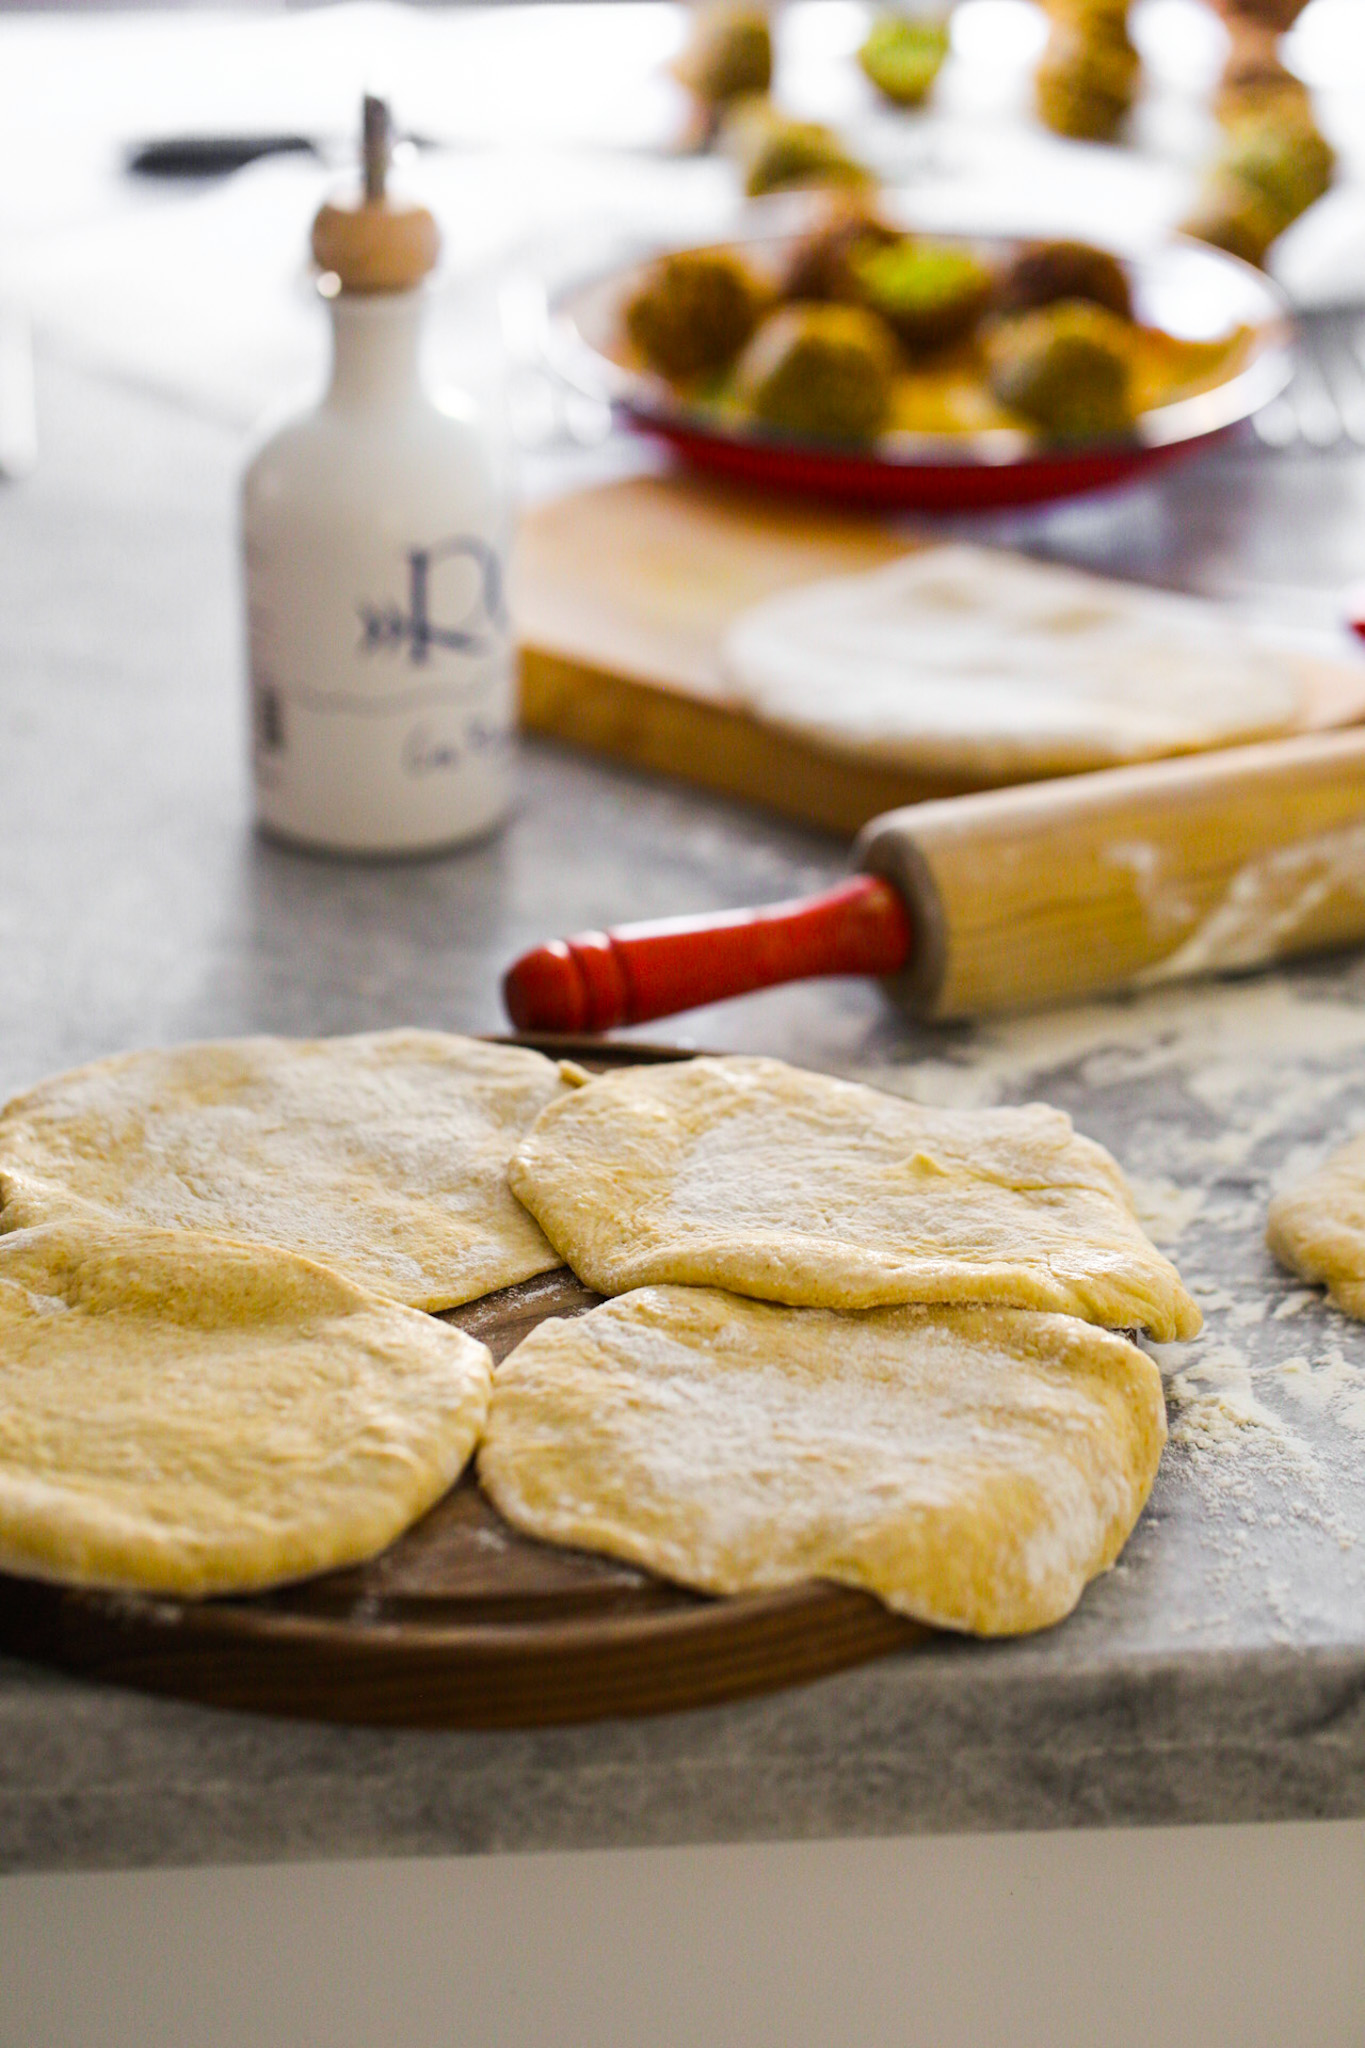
{"points": [[1087, 78], [1236, 217], [1274, 166], [1066, 369], [693, 312], [826, 373], [776, 153], [1285, 159], [903, 56], [729, 52], [928, 292], [819, 264]]}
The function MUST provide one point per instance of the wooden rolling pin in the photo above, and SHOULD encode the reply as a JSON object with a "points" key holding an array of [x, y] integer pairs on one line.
{"points": [[1020, 897]]}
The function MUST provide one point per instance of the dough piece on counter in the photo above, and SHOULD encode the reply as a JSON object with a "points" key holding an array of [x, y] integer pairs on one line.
{"points": [[384, 1156], [973, 663], [972, 1467], [756, 1176], [1317, 1229], [181, 1414]]}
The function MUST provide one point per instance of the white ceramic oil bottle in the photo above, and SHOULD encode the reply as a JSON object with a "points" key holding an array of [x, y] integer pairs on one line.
{"points": [[374, 533]]}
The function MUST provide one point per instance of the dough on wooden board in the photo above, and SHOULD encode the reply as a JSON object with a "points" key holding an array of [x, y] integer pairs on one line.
{"points": [[970, 662], [182, 1414], [384, 1155], [796, 1187], [972, 1467], [1317, 1229]]}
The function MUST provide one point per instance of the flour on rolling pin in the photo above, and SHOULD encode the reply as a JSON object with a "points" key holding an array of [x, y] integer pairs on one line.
{"points": [[973, 662], [1267, 903]]}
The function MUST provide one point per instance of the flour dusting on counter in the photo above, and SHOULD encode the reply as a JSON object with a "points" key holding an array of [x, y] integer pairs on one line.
{"points": [[1330, 1385], [1212, 1097], [1165, 1210], [1212, 1398], [1221, 1037]]}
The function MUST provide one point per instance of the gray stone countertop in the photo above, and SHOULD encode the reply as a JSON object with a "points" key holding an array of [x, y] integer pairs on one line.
{"points": [[1218, 1673]]}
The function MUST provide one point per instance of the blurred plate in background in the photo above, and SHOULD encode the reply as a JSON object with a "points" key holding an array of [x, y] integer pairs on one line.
{"points": [[1191, 291]]}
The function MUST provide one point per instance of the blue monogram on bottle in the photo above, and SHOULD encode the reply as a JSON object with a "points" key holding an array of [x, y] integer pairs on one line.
{"points": [[480, 630]]}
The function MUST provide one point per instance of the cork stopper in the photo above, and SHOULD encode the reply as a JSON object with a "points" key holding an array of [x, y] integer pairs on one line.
{"points": [[375, 243]]}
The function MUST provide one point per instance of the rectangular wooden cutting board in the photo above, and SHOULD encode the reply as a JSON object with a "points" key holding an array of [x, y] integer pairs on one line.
{"points": [[622, 595]]}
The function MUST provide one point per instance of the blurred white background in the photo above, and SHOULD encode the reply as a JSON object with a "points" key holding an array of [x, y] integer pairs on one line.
{"points": [[558, 131]]}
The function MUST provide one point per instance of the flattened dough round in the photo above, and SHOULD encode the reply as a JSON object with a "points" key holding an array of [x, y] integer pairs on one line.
{"points": [[384, 1156], [1317, 1229], [972, 662], [972, 1467], [180, 1414], [756, 1176]]}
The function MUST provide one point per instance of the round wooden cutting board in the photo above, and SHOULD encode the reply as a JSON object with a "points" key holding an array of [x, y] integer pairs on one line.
{"points": [[462, 1623]]}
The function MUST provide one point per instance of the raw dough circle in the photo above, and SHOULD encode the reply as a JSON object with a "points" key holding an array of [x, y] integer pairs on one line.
{"points": [[384, 1155], [795, 1187], [181, 1414], [972, 1467], [1317, 1229], [975, 664]]}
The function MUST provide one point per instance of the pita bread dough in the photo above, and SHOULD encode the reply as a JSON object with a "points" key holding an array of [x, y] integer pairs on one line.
{"points": [[384, 1156], [973, 663], [756, 1176], [180, 1414], [1317, 1229], [972, 1467]]}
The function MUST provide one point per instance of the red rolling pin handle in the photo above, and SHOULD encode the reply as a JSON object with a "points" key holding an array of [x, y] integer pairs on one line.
{"points": [[598, 980]]}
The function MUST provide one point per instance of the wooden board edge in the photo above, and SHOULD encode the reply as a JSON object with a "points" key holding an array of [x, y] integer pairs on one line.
{"points": [[315, 1670], [668, 732]]}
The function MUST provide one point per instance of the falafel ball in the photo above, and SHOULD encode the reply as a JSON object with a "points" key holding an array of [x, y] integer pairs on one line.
{"points": [[903, 55], [1288, 160], [1065, 368], [1278, 14], [1091, 17], [1256, 83], [776, 153], [729, 52], [693, 312], [1087, 77], [1271, 171], [825, 373], [928, 293], [819, 265], [1044, 272], [1236, 217]]}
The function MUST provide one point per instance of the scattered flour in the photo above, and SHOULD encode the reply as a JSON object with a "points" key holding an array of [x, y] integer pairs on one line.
{"points": [[1211, 1097], [1224, 1040], [1212, 1398], [1165, 1210], [1331, 1385]]}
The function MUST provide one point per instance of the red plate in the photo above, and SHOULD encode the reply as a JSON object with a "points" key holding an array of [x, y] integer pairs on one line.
{"points": [[929, 485], [1182, 286]]}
